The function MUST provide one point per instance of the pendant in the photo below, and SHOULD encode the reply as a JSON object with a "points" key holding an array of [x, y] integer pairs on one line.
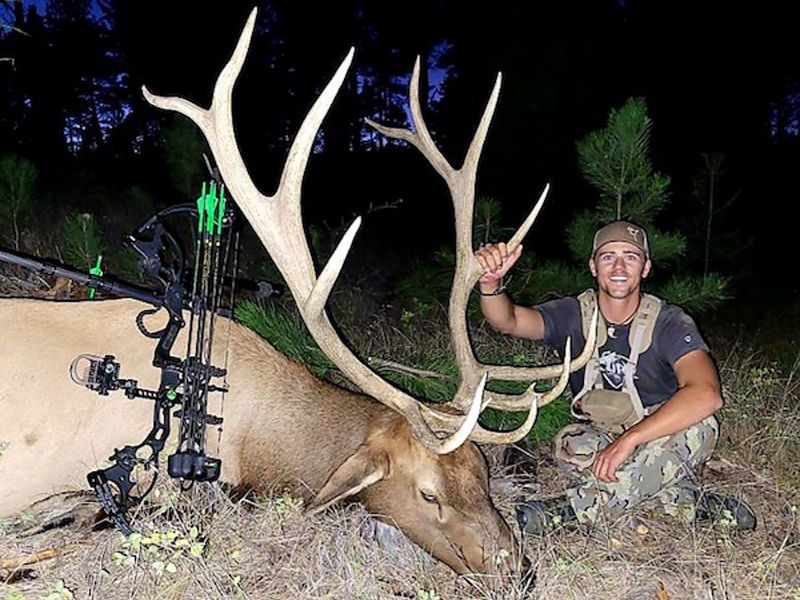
{"points": [[612, 332]]}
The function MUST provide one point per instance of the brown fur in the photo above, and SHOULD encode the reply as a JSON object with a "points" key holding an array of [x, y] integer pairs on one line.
{"points": [[283, 428]]}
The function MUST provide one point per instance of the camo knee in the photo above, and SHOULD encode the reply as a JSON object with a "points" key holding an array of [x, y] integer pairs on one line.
{"points": [[697, 443], [575, 447], [587, 501], [592, 499]]}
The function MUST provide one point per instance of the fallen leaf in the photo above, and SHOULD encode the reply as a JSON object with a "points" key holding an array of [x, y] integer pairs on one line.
{"points": [[661, 592]]}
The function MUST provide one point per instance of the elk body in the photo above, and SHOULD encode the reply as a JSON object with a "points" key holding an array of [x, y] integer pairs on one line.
{"points": [[410, 463]]}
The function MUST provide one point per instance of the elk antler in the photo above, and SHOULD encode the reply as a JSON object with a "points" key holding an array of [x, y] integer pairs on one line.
{"points": [[461, 183], [278, 223]]}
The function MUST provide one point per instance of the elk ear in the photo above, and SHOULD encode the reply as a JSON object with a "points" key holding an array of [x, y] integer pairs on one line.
{"points": [[362, 469]]}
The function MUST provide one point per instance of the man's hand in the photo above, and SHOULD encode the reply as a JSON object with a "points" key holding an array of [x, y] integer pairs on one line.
{"points": [[611, 457], [496, 260]]}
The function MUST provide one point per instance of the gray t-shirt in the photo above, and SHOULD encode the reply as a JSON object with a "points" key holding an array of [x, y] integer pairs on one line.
{"points": [[675, 335]]}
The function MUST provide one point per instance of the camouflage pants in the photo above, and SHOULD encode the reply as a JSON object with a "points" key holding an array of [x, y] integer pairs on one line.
{"points": [[660, 470]]}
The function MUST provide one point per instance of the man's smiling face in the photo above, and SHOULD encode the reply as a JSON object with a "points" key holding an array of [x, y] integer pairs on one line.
{"points": [[619, 268]]}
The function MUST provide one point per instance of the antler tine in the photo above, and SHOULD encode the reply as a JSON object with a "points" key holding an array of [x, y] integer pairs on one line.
{"points": [[277, 221], [216, 123], [520, 234], [530, 401]]}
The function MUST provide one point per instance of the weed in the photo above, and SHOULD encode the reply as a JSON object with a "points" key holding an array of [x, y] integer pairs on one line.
{"points": [[287, 504], [60, 591], [161, 549], [83, 242]]}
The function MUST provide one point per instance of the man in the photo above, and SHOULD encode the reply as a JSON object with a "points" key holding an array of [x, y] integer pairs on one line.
{"points": [[646, 400]]}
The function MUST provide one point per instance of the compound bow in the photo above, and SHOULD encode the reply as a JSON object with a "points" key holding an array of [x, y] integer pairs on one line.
{"points": [[185, 383]]}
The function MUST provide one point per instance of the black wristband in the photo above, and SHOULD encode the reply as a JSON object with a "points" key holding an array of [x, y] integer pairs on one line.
{"points": [[497, 292], [501, 289]]}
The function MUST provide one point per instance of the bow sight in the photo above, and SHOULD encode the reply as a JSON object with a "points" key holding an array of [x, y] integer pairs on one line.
{"points": [[192, 300]]}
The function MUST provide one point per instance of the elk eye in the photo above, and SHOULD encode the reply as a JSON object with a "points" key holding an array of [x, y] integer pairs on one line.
{"points": [[428, 497]]}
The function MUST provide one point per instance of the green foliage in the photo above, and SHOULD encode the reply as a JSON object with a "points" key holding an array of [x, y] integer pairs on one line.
{"points": [[552, 279], [60, 592], [161, 550], [696, 294], [717, 236], [428, 594], [616, 161], [580, 235], [550, 419], [83, 242], [318, 243], [426, 286], [183, 151], [279, 322], [139, 201], [286, 505], [488, 212], [665, 246], [17, 183], [126, 266], [440, 386]]}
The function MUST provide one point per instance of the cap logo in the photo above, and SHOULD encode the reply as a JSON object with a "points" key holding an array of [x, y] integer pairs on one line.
{"points": [[634, 233]]}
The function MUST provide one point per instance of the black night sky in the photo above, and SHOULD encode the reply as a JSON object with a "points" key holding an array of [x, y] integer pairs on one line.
{"points": [[718, 77]]}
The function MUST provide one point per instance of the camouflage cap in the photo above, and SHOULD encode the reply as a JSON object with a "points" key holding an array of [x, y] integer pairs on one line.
{"points": [[621, 231]]}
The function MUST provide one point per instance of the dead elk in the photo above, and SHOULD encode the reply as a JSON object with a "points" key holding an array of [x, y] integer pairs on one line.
{"points": [[410, 464]]}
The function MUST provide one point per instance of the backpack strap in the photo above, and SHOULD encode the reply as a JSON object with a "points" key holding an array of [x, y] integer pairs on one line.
{"points": [[643, 325], [591, 374], [588, 302], [640, 338]]}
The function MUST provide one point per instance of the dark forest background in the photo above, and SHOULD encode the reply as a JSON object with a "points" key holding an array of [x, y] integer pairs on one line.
{"points": [[718, 78]]}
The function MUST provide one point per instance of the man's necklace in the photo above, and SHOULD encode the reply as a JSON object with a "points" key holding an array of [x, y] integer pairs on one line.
{"points": [[612, 327]]}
